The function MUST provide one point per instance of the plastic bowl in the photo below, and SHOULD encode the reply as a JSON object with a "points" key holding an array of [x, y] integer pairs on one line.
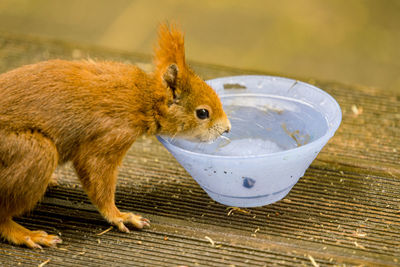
{"points": [[279, 126]]}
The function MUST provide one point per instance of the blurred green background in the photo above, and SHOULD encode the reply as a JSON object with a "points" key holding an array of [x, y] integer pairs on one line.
{"points": [[351, 41]]}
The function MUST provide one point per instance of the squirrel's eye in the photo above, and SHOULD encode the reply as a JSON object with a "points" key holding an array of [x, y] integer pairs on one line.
{"points": [[202, 113]]}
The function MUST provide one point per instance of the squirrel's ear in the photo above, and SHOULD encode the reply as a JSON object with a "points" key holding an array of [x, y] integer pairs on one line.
{"points": [[170, 78]]}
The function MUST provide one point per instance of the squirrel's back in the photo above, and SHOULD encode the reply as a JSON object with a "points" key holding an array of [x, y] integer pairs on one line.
{"points": [[69, 101]]}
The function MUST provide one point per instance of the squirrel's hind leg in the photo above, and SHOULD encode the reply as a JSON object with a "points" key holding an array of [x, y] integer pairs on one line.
{"points": [[27, 161], [19, 235]]}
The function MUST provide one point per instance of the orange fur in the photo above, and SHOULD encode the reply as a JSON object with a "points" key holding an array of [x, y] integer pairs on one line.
{"points": [[90, 113], [170, 47]]}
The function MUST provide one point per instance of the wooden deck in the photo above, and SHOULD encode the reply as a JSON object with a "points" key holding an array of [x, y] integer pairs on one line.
{"points": [[345, 210]]}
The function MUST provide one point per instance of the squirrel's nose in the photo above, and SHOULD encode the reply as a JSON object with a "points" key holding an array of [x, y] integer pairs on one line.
{"points": [[228, 128]]}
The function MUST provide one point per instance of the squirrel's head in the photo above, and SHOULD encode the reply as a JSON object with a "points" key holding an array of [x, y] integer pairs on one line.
{"points": [[193, 110]]}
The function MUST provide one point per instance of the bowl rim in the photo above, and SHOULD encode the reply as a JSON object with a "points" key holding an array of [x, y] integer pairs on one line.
{"points": [[316, 143]]}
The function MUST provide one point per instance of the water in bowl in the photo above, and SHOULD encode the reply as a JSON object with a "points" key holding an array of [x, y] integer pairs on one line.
{"points": [[261, 125]]}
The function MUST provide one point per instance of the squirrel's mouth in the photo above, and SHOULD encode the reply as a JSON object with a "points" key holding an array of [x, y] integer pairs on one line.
{"points": [[200, 138], [206, 135], [212, 137]]}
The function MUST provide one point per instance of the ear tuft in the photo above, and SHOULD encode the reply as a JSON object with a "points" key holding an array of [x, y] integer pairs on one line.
{"points": [[170, 48], [170, 76]]}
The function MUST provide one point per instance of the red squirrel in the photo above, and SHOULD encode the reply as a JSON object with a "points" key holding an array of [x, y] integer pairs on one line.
{"points": [[89, 113]]}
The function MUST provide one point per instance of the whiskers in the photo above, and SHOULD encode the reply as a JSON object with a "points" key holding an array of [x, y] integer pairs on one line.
{"points": [[172, 139], [208, 143], [212, 138], [225, 141], [213, 145]]}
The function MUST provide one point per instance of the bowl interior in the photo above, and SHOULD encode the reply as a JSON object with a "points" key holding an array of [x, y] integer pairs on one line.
{"points": [[262, 124]]}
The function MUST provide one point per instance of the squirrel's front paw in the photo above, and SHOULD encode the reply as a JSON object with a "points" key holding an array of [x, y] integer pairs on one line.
{"points": [[128, 217]]}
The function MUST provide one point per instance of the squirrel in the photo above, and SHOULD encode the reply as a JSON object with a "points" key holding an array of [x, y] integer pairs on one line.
{"points": [[90, 113]]}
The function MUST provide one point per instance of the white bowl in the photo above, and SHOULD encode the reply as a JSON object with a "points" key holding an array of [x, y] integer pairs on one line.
{"points": [[279, 126]]}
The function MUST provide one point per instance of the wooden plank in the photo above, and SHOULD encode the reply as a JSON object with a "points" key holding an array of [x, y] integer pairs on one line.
{"points": [[345, 210]]}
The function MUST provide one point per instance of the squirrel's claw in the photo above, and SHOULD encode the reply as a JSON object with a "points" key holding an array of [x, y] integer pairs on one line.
{"points": [[127, 217], [37, 238]]}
